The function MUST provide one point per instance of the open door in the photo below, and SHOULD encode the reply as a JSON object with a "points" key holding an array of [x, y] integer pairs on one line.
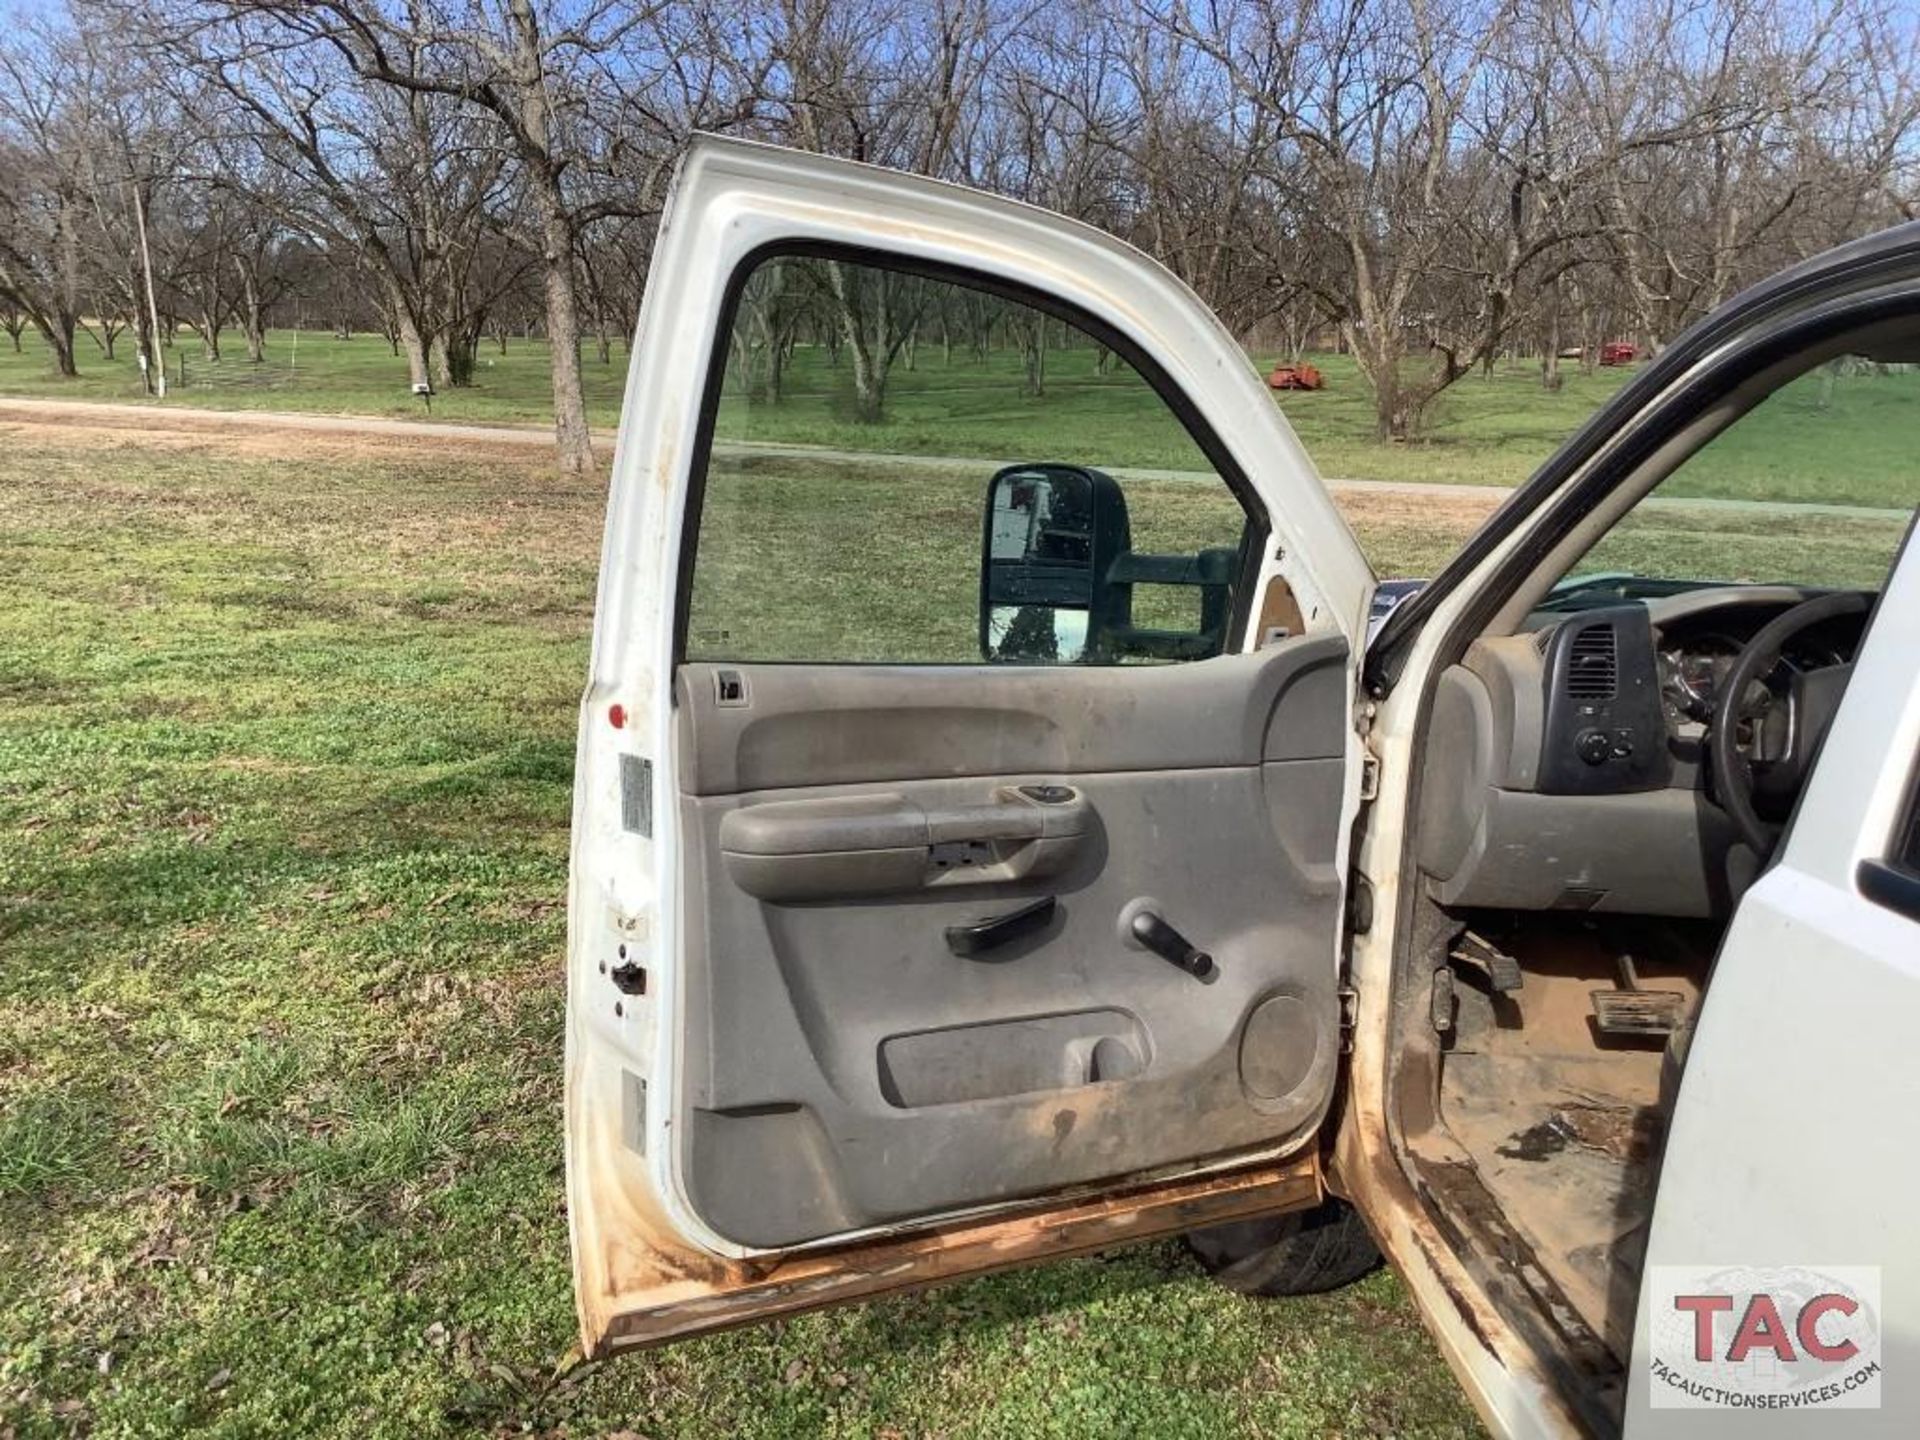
{"points": [[1806, 1034], [967, 764]]}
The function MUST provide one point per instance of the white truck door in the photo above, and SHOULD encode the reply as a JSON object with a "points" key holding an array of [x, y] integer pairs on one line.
{"points": [[859, 993], [1791, 1160]]}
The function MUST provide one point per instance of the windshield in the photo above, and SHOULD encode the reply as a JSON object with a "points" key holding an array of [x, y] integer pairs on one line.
{"points": [[1814, 486]]}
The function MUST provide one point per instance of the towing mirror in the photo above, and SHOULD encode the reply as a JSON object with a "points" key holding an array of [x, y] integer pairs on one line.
{"points": [[1053, 532], [1058, 577]]}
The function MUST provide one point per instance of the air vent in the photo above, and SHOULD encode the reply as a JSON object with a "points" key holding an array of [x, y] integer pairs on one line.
{"points": [[1593, 664]]}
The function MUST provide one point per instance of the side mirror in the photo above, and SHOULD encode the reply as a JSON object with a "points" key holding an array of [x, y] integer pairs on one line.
{"points": [[1052, 534], [1058, 574]]}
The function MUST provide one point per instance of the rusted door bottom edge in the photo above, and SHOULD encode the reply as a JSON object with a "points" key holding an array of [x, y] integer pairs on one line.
{"points": [[931, 1257]]}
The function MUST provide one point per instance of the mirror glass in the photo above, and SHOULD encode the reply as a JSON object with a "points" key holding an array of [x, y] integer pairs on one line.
{"points": [[1049, 529]]}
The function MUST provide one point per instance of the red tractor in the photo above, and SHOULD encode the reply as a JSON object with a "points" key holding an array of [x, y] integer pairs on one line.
{"points": [[1295, 377], [1618, 352]]}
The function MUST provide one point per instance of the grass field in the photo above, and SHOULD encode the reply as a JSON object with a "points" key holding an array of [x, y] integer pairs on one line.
{"points": [[285, 748], [1486, 432], [1842, 440]]}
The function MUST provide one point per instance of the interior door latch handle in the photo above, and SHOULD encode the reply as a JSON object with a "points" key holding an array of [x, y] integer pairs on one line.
{"points": [[985, 934]]}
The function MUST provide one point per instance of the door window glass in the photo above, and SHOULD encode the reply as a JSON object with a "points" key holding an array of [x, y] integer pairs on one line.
{"points": [[911, 469]]}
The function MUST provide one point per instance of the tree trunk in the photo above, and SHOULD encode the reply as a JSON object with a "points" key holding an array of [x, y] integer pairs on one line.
{"points": [[405, 339], [59, 338], [863, 311], [573, 439], [462, 350], [869, 380], [144, 348], [1033, 352], [1550, 376], [1376, 348], [253, 323]]}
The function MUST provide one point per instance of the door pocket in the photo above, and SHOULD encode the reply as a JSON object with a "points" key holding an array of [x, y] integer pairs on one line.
{"points": [[1010, 1057]]}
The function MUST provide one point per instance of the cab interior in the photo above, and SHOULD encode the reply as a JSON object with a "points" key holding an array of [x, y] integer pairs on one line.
{"points": [[1581, 834]]}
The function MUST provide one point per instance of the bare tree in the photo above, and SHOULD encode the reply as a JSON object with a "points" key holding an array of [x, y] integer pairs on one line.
{"points": [[511, 65], [43, 204], [1438, 186]]}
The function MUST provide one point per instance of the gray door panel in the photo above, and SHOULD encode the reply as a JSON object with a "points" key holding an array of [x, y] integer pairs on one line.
{"points": [[846, 1068], [813, 725]]}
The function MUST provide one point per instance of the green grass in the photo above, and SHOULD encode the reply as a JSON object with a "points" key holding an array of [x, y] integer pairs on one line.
{"points": [[1484, 432], [285, 755], [824, 561], [1846, 434], [1487, 432], [285, 761], [360, 376]]}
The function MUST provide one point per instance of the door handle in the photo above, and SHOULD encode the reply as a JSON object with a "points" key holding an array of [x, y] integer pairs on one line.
{"points": [[891, 843], [966, 940]]}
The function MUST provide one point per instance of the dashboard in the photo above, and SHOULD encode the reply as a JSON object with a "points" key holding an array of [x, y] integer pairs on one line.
{"points": [[1694, 658], [1567, 765]]}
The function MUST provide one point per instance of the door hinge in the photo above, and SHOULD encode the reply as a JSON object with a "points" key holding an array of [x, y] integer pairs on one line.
{"points": [[1369, 778], [1349, 1016]]}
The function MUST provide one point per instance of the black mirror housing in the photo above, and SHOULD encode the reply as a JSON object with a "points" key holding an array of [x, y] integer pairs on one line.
{"points": [[1053, 532], [1058, 571]]}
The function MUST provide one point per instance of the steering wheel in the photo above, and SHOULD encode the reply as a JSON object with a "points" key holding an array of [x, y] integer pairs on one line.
{"points": [[1783, 731]]}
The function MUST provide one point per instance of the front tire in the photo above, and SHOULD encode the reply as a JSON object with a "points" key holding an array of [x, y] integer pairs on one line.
{"points": [[1305, 1253]]}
